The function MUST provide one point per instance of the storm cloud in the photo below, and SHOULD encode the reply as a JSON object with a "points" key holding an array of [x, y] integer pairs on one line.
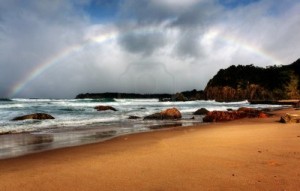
{"points": [[59, 49]]}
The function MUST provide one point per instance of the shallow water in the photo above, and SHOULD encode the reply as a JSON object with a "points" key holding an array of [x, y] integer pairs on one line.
{"points": [[77, 122]]}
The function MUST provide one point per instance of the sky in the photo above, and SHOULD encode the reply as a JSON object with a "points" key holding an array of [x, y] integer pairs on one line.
{"points": [[60, 48]]}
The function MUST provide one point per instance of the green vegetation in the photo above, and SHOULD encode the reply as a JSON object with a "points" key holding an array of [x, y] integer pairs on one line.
{"points": [[252, 82], [271, 78]]}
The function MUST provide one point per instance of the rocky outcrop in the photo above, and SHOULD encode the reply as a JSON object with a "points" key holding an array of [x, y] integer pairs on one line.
{"points": [[39, 116], [171, 113], [227, 94], [201, 111], [290, 118], [221, 116], [104, 108], [248, 82]]}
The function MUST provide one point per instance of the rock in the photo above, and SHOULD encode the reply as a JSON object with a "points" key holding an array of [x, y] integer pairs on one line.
{"points": [[262, 115], [290, 118], [155, 116], [201, 111], [180, 97], [40, 116], [221, 116], [133, 117], [104, 108], [249, 112], [171, 113]]}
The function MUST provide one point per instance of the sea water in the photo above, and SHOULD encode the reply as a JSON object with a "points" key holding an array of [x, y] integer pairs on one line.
{"points": [[77, 122]]}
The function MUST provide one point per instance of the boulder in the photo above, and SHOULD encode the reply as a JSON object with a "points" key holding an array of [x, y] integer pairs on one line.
{"points": [[201, 111], [221, 116], [40, 116], [290, 118], [249, 112], [171, 113], [133, 117], [155, 116], [104, 108], [262, 115]]}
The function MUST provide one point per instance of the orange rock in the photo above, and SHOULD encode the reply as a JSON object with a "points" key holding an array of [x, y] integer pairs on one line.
{"points": [[262, 115], [171, 113], [104, 108], [219, 116]]}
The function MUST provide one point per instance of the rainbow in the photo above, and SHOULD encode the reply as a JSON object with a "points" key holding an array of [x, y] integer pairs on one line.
{"points": [[58, 58], [232, 40], [107, 37]]}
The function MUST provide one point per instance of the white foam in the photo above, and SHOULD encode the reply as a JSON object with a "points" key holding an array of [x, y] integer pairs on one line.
{"points": [[72, 112]]}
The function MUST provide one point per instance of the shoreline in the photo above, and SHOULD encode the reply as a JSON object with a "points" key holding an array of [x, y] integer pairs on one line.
{"points": [[247, 154]]}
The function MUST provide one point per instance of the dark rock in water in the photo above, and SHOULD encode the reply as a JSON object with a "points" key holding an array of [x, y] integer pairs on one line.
{"points": [[192, 118], [290, 118], [171, 113], [133, 117], [104, 108], [229, 109], [40, 116], [201, 111], [155, 116], [180, 97], [5, 99], [221, 116]]}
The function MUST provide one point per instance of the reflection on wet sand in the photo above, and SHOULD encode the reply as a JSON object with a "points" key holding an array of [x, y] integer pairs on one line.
{"points": [[13, 145]]}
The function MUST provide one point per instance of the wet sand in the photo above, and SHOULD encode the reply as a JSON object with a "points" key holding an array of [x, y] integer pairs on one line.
{"points": [[248, 154]]}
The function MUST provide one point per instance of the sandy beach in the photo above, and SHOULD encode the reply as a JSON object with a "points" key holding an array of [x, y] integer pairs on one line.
{"points": [[248, 154]]}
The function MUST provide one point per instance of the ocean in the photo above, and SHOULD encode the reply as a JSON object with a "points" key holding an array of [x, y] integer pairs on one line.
{"points": [[77, 122]]}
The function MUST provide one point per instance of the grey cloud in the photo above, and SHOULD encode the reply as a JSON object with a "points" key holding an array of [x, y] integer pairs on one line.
{"points": [[29, 36], [191, 21], [145, 42], [184, 48], [189, 44]]}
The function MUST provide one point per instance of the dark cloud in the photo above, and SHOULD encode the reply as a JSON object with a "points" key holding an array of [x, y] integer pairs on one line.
{"points": [[143, 42], [148, 46]]}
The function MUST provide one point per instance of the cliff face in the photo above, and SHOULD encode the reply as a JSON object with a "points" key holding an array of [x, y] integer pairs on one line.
{"points": [[255, 83]]}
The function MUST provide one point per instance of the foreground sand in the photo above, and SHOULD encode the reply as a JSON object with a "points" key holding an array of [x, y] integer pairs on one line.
{"points": [[255, 154]]}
